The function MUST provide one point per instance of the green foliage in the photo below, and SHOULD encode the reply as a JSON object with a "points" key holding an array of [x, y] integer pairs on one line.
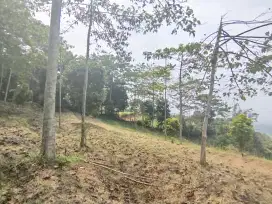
{"points": [[147, 108], [146, 122], [66, 160], [223, 141], [116, 99], [116, 22], [242, 131], [172, 126], [73, 88], [262, 145], [192, 129], [160, 112], [125, 114], [22, 94]]}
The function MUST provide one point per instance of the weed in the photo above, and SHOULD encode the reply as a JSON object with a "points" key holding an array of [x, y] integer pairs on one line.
{"points": [[66, 160]]}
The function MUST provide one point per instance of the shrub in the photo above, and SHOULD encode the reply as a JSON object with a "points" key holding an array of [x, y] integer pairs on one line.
{"points": [[140, 123], [242, 131], [172, 126], [147, 122], [125, 114], [223, 141], [22, 94], [192, 131]]}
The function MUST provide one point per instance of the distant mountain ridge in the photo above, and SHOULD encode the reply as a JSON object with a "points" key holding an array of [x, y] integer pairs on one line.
{"points": [[263, 128]]}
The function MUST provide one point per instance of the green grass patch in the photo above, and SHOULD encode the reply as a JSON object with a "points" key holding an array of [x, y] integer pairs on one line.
{"points": [[124, 114], [71, 159]]}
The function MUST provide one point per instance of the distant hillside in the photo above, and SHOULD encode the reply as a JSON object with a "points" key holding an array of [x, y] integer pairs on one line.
{"points": [[264, 128]]}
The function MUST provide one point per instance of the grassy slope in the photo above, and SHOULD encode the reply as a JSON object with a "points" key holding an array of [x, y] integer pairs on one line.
{"points": [[158, 171]]}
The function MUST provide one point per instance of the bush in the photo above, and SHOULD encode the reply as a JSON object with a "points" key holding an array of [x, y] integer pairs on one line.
{"points": [[242, 131], [22, 94], [172, 126], [223, 141], [125, 114], [192, 131], [147, 122], [144, 123], [140, 123]]}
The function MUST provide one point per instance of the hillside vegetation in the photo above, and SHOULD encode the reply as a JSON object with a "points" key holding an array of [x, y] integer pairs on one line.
{"points": [[120, 166]]}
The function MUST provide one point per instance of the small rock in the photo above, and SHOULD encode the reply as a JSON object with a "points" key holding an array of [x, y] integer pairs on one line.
{"points": [[190, 194], [46, 177], [73, 173], [224, 182]]}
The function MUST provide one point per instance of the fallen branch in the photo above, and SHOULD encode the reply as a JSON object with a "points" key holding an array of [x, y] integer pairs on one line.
{"points": [[148, 184], [126, 175]]}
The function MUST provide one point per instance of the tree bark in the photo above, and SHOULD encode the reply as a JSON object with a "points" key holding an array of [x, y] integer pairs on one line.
{"points": [[135, 109], [2, 68], [111, 89], [60, 78], [208, 108], [1, 77], [165, 102], [165, 107], [7, 88], [180, 101], [60, 101], [48, 148], [153, 98], [153, 106], [85, 86]]}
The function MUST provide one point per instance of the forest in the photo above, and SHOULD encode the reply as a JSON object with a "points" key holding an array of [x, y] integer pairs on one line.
{"points": [[177, 92]]}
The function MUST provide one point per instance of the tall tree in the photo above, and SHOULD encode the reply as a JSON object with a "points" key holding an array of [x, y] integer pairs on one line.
{"points": [[114, 23], [7, 88], [190, 59], [48, 149], [2, 67], [248, 64], [85, 85], [210, 96]]}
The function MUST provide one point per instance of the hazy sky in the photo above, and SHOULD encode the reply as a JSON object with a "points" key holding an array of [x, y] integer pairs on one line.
{"points": [[209, 13]]}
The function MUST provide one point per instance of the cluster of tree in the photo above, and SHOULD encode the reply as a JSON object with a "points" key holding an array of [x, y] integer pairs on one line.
{"points": [[224, 131], [99, 83], [106, 93]]}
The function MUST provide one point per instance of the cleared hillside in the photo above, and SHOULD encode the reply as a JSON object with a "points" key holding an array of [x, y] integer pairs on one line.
{"points": [[120, 166]]}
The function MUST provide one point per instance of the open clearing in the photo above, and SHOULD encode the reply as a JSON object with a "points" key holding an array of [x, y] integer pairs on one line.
{"points": [[120, 166]]}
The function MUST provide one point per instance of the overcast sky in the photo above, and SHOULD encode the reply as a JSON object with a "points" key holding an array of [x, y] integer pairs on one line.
{"points": [[209, 13]]}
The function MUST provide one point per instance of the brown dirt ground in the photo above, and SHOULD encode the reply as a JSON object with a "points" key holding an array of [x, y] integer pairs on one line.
{"points": [[153, 170]]}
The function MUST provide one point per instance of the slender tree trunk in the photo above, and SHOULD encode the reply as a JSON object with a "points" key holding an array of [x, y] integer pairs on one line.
{"points": [[7, 88], [2, 68], [111, 89], [60, 82], [208, 108], [1, 77], [165, 108], [85, 86], [60, 101], [153, 97], [48, 148], [180, 102], [165, 102], [153, 107], [135, 109]]}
